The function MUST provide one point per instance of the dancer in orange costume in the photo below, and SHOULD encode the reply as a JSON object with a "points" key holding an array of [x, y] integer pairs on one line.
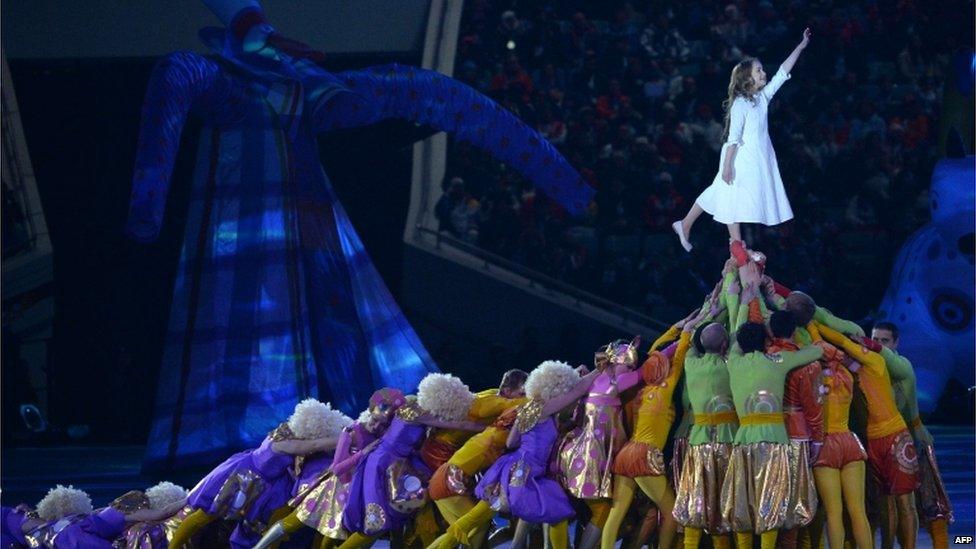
{"points": [[931, 497], [891, 450]]}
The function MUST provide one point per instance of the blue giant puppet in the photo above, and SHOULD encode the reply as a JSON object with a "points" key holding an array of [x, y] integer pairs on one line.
{"points": [[275, 298], [931, 293]]}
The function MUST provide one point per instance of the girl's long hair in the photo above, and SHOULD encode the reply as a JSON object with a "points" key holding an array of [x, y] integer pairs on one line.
{"points": [[741, 84]]}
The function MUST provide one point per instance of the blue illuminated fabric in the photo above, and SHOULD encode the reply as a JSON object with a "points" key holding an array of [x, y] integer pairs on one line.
{"points": [[275, 298]]}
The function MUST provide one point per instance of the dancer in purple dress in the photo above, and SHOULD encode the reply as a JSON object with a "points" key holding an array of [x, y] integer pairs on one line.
{"points": [[320, 506], [12, 520], [519, 482], [163, 502], [389, 485], [252, 486], [64, 519]]}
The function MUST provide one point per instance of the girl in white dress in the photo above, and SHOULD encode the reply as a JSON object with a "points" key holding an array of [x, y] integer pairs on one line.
{"points": [[748, 187]]}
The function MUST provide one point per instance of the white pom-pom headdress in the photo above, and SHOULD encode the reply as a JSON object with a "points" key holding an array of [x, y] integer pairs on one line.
{"points": [[164, 494], [314, 419], [445, 396], [63, 501], [550, 379], [365, 417]]}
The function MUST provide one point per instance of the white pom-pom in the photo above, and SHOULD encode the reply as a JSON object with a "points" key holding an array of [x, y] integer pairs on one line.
{"points": [[365, 417], [164, 494], [550, 379], [335, 422], [445, 396], [63, 501], [314, 419]]}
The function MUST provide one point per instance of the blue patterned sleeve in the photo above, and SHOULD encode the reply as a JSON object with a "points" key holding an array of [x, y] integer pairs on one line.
{"points": [[179, 82], [432, 99]]}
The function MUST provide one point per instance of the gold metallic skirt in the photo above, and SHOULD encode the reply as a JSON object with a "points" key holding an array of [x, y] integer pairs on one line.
{"points": [[586, 452], [678, 452], [802, 502], [173, 523], [321, 508], [700, 487], [932, 498], [755, 493]]}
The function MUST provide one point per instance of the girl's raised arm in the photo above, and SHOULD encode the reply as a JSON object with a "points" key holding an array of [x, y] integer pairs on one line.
{"points": [[783, 74], [787, 65]]}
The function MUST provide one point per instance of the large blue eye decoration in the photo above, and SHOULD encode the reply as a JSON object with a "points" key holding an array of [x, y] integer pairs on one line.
{"points": [[951, 309]]}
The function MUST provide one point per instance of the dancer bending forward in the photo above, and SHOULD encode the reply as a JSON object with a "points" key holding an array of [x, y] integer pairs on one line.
{"points": [[520, 482]]}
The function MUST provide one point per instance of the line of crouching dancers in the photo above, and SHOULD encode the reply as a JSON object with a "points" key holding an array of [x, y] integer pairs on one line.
{"points": [[767, 384]]}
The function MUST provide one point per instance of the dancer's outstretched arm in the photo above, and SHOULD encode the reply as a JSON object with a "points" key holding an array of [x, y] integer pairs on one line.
{"points": [[432, 421], [558, 403], [671, 334], [740, 298], [862, 351], [304, 447], [340, 468], [846, 327], [153, 515]]}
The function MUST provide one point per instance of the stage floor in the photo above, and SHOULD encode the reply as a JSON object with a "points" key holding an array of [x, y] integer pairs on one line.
{"points": [[107, 472]]}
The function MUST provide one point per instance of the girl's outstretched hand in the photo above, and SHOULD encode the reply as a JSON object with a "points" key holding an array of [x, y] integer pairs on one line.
{"points": [[806, 37]]}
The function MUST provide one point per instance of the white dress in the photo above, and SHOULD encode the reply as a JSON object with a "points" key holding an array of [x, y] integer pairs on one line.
{"points": [[756, 195]]}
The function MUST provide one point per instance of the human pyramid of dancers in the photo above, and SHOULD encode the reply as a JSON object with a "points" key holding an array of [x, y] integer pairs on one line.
{"points": [[764, 443]]}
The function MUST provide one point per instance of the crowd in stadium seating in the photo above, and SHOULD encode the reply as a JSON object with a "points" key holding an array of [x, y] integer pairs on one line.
{"points": [[632, 94]]}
